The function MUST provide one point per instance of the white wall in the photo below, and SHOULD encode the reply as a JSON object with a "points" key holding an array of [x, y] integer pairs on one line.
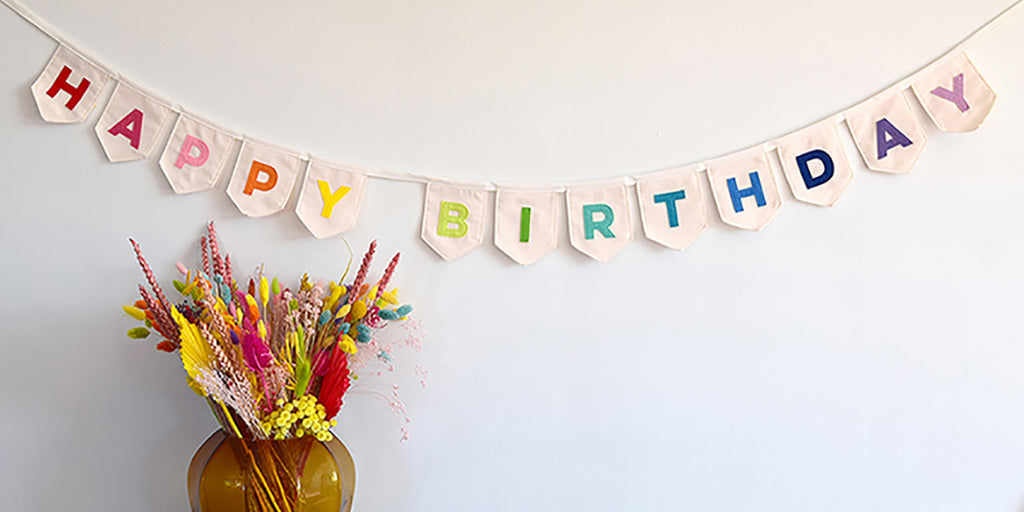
{"points": [[860, 358]]}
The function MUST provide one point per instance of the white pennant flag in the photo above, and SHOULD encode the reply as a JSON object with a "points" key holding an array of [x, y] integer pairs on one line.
{"points": [[453, 218], [672, 206], [955, 95], [67, 89], [195, 156], [815, 164], [525, 223], [888, 134], [263, 179], [744, 189], [330, 198], [131, 124], [600, 221]]}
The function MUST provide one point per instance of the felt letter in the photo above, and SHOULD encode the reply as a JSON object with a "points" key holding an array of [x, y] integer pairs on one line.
{"points": [[755, 190], [129, 126], [670, 198], [253, 183], [590, 225], [452, 213], [331, 199], [524, 224], [827, 172], [185, 155], [888, 136], [61, 84], [956, 95]]}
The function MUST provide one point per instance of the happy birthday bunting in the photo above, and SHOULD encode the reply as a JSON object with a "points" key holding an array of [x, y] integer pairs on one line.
{"points": [[330, 198], [600, 222], [672, 206], [815, 164], [195, 155], [744, 189], [955, 95], [67, 89], [886, 130], [887, 133], [525, 223], [263, 179], [453, 219]]}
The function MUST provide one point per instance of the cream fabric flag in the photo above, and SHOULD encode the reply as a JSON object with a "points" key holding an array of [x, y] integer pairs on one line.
{"points": [[68, 87], [672, 206], [600, 221], [888, 134], [263, 178], [453, 218], [131, 124], [815, 164], [330, 198], [744, 189], [195, 156], [525, 223], [955, 95]]}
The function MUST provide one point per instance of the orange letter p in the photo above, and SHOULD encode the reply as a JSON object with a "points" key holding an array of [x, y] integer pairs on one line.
{"points": [[253, 182]]}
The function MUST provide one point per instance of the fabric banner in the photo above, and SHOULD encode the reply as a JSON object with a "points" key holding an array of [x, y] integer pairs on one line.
{"points": [[815, 164], [195, 156], [744, 189], [887, 133], [886, 130], [525, 223], [600, 222], [67, 89], [263, 179], [131, 124], [330, 198], [672, 206], [453, 219], [955, 95]]}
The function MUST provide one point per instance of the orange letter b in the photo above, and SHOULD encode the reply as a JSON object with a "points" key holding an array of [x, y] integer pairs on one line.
{"points": [[253, 182]]}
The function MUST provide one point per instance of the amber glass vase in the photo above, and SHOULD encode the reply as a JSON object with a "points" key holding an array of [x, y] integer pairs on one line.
{"points": [[230, 474]]}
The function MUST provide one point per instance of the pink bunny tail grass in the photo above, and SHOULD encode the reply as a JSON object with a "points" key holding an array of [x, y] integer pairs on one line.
{"points": [[386, 278], [160, 297], [204, 253], [361, 275], [161, 317], [218, 263], [227, 270]]}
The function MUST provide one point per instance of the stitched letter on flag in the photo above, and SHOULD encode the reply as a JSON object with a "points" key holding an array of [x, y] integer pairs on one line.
{"points": [[955, 95], [888, 135], [600, 222], [263, 179], [131, 124], [195, 156], [815, 164], [672, 206], [453, 219], [744, 189], [330, 198], [525, 223], [68, 87]]}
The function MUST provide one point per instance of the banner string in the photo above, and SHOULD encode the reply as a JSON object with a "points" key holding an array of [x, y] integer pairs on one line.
{"points": [[384, 174]]}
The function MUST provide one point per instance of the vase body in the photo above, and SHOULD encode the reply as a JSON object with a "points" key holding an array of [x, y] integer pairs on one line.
{"points": [[230, 474]]}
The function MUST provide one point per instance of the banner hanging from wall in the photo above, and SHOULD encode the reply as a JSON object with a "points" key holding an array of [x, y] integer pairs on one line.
{"points": [[886, 129]]}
